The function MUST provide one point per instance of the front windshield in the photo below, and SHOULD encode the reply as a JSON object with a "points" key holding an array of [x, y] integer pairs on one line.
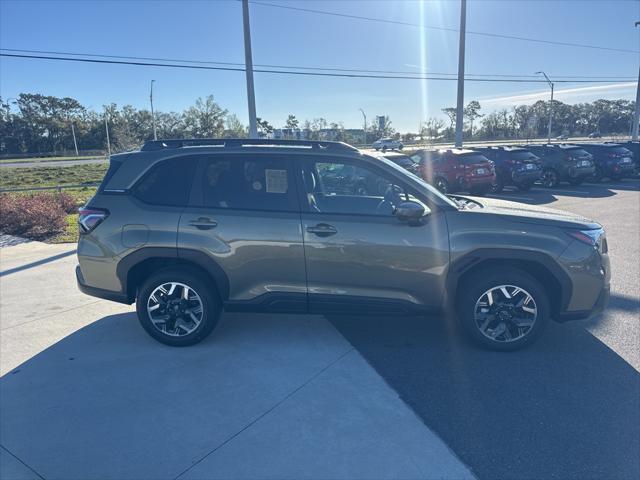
{"points": [[418, 182]]}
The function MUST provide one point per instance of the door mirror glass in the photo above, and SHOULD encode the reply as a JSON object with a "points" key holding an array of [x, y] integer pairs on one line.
{"points": [[411, 211]]}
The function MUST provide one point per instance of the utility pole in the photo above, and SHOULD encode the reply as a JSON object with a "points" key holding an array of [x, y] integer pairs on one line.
{"points": [[75, 143], [153, 116], [365, 126], [550, 105], [248, 65], [460, 105], [106, 127], [636, 116]]}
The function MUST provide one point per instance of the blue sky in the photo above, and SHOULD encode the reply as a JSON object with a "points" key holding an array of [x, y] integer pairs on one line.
{"points": [[212, 30]]}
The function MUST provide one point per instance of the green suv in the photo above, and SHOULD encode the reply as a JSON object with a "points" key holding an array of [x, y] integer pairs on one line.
{"points": [[187, 228]]}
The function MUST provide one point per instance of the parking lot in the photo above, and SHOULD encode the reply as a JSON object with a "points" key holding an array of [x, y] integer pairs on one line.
{"points": [[85, 393]]}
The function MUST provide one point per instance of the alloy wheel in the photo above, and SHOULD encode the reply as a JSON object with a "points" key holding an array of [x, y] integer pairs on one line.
{"points": [[505, 313], [175, 309], [549, 179]]}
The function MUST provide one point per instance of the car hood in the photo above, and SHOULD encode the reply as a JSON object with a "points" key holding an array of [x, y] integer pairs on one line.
{"points": [[519, 212]]}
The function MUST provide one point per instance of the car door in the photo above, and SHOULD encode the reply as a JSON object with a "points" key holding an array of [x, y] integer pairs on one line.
{"points": [[244, 216], [358, 253]]}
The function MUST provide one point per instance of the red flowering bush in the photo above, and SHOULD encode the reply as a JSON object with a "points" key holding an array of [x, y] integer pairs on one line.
{"points": [[67, 202], [33, 216]]}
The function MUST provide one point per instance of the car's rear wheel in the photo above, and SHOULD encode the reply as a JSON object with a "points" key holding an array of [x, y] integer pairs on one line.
{"points": [[506, 309], [442, 185], [497, 186], [549, 178], [177, 307], [597, 175], [576, 181]]}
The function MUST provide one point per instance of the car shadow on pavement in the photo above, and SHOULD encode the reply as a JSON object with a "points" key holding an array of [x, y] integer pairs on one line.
{"points": [[567, 407], [108, 401], [542, 196]]}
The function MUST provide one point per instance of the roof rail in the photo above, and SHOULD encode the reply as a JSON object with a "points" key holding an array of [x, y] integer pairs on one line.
{"points": [[245, 142]]}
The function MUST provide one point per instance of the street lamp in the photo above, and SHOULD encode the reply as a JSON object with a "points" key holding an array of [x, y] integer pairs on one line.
{"points": [[365, 126], [153, 117], [550, 104]]}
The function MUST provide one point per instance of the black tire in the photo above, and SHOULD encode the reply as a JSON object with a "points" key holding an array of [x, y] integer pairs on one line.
{"points": [[211, 305], [597, 175], [384, 149], [472, 290], [576, 181], [498, 185], [442, 185], [524, 187], [549, 178], [400, 147]]}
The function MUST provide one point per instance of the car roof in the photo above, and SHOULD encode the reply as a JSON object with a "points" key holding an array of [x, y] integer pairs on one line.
{"points": [[135, 164]]}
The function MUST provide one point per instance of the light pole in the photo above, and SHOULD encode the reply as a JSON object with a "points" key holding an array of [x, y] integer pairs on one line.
{"points": [[153, 116], [75, 143], [550, 104], [365, 126], [636, 116], [248, 65], [460, 105], [106, 127]]}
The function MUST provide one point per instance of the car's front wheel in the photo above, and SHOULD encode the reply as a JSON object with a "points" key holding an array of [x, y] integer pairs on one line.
{"points": [[177, 307], [506, 309]]}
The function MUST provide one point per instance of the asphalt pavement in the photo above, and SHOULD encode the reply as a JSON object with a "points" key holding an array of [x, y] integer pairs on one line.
{"points": [[566, 408]]}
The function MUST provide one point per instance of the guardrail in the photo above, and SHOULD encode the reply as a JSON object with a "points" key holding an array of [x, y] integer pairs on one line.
{"points": [[59, 188]]}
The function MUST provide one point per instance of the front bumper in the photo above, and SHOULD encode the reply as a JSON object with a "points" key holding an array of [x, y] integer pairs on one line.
{"points": [[597, 309], [99, 292]]}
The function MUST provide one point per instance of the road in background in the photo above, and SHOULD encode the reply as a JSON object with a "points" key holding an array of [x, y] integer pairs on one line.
{"points": [[569, 406]]}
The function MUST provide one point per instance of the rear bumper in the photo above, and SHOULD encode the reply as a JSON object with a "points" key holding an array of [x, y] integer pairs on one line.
{"points": [[99, 292], [578, 172], [597, 309], [526, 176]]}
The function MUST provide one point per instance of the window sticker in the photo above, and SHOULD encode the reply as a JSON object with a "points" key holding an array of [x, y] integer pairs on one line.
{"points": [[276, 181]]}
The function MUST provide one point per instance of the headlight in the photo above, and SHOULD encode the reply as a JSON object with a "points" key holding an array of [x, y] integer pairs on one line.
{"points": [[596, 238]]}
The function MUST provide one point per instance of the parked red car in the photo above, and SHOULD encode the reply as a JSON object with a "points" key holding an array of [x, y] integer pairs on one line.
{"points": [[455, 170]]}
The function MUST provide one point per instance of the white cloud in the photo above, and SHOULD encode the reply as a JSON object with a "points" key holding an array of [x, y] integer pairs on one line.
{"points": [[568, 95]]}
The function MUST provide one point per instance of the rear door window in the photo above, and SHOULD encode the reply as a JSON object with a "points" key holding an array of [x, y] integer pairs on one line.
{"points": [[249, 182], [168, 183]]}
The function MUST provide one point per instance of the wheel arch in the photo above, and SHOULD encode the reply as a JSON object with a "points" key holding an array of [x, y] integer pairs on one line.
{"points": [[133, 269], [539, 265]]}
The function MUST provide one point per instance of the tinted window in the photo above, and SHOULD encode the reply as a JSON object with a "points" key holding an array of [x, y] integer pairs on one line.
{"points": [[621, 151], [249, 183], [472, 159], [522, 156], [342, 187], [113, 168], [577, 152], [168, 183]]}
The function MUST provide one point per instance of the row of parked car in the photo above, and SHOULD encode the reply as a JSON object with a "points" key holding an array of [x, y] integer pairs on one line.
{"points": [[480, 170]]}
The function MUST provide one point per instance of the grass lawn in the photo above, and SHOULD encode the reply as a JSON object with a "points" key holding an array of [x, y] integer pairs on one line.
{"points": [[49, 159], [51, 176]]}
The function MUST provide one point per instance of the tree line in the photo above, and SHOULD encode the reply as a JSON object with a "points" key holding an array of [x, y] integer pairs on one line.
{"points": [[35, 123]]}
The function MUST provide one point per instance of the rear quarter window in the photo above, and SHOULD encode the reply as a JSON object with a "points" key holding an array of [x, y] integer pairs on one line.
{"points": [[168, 183]]}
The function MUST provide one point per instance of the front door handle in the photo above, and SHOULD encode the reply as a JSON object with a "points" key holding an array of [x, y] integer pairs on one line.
{"points": [[203, 223], [322, 230]]}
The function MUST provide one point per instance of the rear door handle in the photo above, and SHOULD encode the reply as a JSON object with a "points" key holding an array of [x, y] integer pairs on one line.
{"points": [[322, 230], [203, 223]]}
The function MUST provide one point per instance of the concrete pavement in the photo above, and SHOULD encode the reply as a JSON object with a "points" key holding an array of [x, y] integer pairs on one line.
{"points": [[85, 393]]}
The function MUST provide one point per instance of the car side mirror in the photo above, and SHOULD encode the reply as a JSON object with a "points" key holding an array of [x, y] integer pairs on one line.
{"points": [[411, 212]]}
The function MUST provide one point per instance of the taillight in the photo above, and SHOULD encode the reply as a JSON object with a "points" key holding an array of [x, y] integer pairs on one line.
{"points": [[568, 158], [90, 218], [595, 238]]}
